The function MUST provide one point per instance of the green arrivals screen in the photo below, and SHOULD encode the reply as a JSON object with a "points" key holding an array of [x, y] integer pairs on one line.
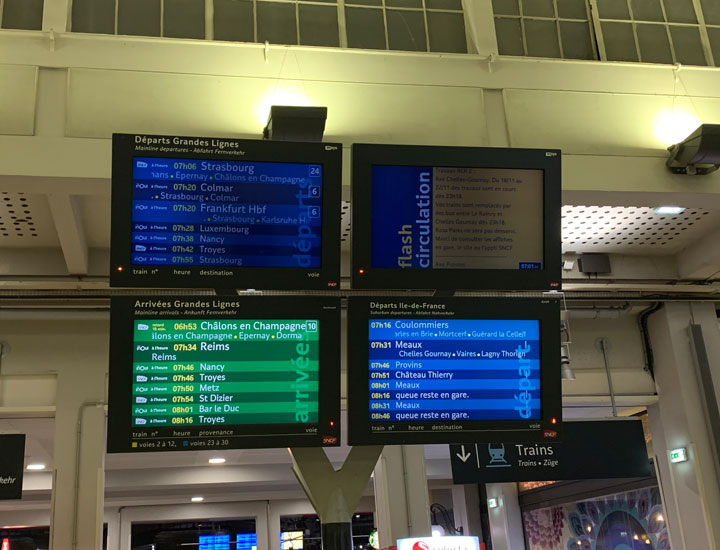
{"points": [[192, 372]]}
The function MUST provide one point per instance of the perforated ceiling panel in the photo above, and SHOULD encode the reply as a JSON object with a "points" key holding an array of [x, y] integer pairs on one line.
{"points": [[633, 229], [26, 221]]}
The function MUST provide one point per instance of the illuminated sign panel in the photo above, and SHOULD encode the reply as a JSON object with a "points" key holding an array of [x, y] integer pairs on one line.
{"points": [[192, 212], [451, 370], [12, 459], [678, 455], [205, 212], [455, 217], [439, 543], [210, 373]]}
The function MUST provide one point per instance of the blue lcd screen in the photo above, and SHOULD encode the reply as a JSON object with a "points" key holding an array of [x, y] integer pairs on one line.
{"points": [[425, 217], [193, 212], [246, 541], [214, 542], [469, 369]]}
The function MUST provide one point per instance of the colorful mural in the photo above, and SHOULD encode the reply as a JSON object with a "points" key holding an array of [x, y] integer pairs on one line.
{"points": [[626, 521]]}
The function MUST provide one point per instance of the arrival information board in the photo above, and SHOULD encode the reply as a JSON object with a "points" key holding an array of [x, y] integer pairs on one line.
{"points": [[470, 369], [247, 371], [195, 373], [225, 213]]}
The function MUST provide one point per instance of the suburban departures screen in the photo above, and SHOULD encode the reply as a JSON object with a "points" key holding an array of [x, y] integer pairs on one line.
{"points": [[456, 218], [470, 369], [195, 212], [211, 373], [453, 370]]}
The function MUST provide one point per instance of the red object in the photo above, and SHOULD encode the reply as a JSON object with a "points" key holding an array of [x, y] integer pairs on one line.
{"points": [[5, 544], [482, 546], [550, 434], [329, 440], [421, 545]]}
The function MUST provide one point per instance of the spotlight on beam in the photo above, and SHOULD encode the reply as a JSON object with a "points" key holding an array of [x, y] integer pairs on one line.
{"points": [[698, 154], [287, 123]]}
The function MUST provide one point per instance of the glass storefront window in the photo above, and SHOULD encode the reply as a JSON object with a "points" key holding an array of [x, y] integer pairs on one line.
{"points": [[32, 538], [632, 521], [195, 535], [304, 532]]}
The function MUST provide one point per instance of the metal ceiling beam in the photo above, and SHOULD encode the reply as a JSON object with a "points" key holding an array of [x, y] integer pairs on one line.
{"points": [[68, 222], [701, 260]]}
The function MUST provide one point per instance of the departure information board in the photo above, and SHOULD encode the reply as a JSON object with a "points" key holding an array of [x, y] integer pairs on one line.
{"points": [[202, 212], [455, 217], [469, 369], [189, 212], [453, 370], [211, 373]]}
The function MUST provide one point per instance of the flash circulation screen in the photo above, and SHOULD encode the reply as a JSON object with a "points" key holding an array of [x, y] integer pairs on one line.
{"points": [[453, 370], [216, 373], [193, 212], [456, 218]]}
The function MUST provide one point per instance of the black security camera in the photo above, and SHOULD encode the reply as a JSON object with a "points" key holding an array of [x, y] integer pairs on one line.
{"points": [[698, 154]]}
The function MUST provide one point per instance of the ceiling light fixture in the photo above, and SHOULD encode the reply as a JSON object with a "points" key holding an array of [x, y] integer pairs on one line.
{"points": [[673, 126], [669, 210], [35, 467], [216, 461], [197, 499], [566, 372], [698, 154]]}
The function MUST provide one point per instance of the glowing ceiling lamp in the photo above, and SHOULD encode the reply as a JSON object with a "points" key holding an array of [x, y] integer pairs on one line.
{"points": [[673, 126], [291, 94]]}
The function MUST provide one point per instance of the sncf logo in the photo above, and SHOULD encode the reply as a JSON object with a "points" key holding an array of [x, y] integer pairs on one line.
{"points": [[329, 440], [549, 434], [421, 545]]}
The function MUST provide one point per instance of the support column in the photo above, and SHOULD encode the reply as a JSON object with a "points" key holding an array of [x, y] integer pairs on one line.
{"points": [[466, 510], [691, 492], [112, 517], [334, 494], [402, 503], [506, 528], [76, 516]]}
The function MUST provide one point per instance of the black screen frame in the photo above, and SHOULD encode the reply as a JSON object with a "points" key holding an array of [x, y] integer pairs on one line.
{"points": [[547, 311], [364, 276], [326, 309], [327, 276]]}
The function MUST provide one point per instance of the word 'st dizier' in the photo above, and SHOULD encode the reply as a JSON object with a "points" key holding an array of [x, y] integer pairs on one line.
{"points": [[455, 217], [201, 372], [453, 370], [224, 213]]}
